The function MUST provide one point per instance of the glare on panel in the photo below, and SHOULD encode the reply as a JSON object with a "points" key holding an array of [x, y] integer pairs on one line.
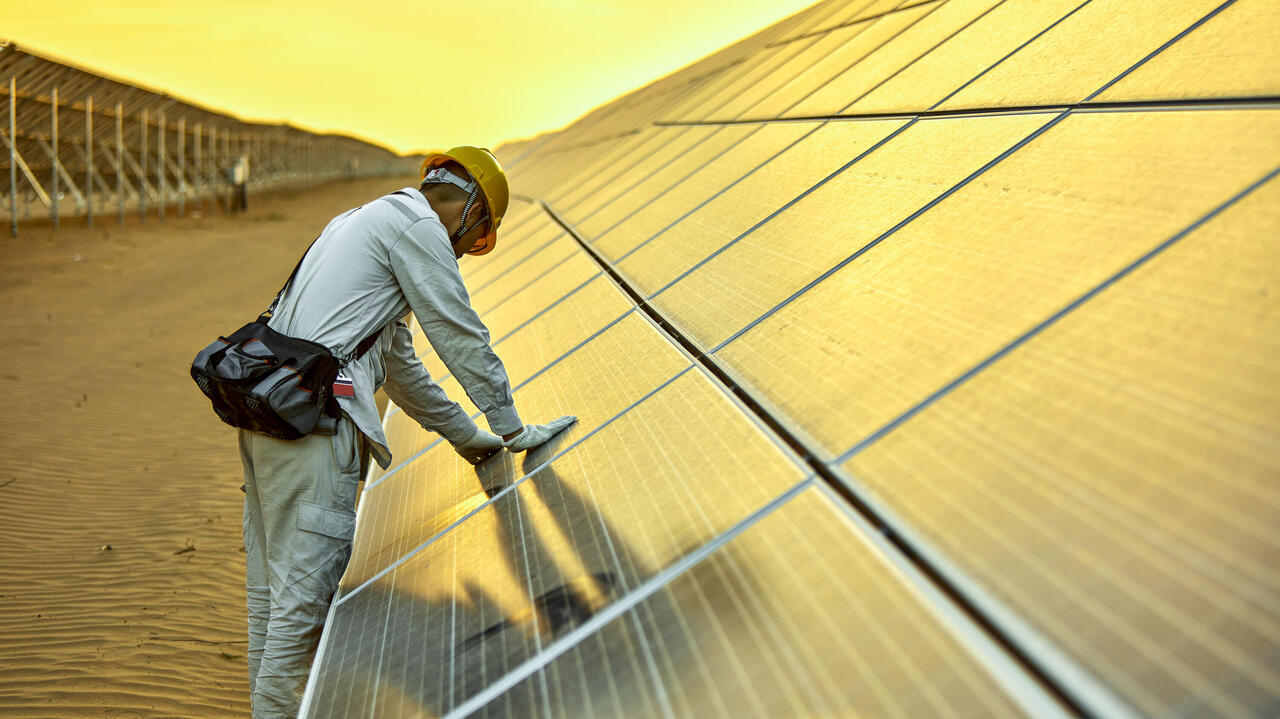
{"points": [[796, 616], [546, 554]]}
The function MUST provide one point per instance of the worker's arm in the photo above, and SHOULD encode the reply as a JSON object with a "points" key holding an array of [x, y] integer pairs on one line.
{"points": [[410, 386], [426, 270]]}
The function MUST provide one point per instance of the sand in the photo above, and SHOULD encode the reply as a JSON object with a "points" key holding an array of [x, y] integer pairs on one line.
{"points": [[121, 562]]}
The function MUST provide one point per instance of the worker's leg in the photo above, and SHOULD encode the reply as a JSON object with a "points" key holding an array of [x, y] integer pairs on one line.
{"points": [[306, 489], [257, 591]]}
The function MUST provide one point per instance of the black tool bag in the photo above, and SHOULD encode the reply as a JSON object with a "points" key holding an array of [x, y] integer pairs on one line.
{"points": [[261, 380]]}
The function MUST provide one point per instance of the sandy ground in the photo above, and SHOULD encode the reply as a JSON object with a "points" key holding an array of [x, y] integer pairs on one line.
{"points": [[121, 570]]}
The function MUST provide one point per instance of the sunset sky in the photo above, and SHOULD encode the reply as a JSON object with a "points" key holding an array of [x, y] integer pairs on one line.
{"points": [[409, 75]]}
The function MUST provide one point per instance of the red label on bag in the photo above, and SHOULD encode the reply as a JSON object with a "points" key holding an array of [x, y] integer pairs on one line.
{"points": [[344, 387]]}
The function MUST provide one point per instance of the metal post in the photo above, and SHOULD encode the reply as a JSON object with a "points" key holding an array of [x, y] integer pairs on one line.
{"points": [[88, 159], [142, 178], [182, 167], [53, 110], [215, 176], [120, 164], [162, 188], [13, 155], [198, 174]]}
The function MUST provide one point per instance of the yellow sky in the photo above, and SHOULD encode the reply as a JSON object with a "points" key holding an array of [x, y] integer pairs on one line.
{"points": [[409, 75]]}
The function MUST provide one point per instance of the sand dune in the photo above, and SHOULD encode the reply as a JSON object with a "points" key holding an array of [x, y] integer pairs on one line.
{"points": [[121, 571]]}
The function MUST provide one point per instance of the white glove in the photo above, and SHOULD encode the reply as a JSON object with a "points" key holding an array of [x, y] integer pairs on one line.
{"points": [[535, 435], [479, 447]]}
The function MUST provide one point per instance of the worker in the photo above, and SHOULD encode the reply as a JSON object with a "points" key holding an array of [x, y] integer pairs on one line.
{"points": [[369, 268]]}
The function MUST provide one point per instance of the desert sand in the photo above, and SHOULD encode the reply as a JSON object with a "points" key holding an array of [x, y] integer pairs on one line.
{"points": [[121, 563]]}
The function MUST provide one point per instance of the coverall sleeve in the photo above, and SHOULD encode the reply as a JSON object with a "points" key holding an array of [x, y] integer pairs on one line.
{"points": [[427, 272], [410, 386]]}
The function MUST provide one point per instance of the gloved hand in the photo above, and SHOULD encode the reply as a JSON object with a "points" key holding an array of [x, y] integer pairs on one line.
{"points": [[479, 447], [534, 435]]}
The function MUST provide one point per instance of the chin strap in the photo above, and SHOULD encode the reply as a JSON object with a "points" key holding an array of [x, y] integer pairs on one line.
{"points": [[442, 175]]}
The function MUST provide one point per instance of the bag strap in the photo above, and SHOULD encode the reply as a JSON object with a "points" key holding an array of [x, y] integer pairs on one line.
{"points": [[267, 315]]}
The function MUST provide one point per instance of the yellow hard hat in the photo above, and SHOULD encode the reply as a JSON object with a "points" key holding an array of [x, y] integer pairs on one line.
{"points": [[488, 174]]}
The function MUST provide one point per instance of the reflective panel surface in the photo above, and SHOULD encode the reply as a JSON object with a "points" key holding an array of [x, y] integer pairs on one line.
{"points": [[825, 149], [829, 54], [699, 187], [933, 25], [882, 189], [538, 294], [796, 616], [1083, 53], [1113, 479], [595, 383], [560, 328], [989, 262], [529, 270], [550, 552], [616, 203], [1232, 55], [925, 82]]}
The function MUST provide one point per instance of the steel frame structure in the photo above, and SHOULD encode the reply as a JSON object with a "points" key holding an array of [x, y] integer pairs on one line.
{"points": [[111, 147]]}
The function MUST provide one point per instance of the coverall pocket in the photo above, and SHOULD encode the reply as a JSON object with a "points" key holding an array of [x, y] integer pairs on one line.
{"points": [[347, 447], [322, 547]]}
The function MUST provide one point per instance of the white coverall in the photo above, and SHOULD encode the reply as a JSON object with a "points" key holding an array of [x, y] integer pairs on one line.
{"points": [[367, 270]]}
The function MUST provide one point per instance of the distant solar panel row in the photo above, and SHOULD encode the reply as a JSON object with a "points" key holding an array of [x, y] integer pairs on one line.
{"points": [[1005, 271]]}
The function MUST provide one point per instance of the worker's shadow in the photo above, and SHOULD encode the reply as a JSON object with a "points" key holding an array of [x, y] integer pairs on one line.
{"points": [[519, 575]]}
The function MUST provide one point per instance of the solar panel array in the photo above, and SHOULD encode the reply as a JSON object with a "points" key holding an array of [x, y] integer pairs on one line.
{"points": [[927, 360]]}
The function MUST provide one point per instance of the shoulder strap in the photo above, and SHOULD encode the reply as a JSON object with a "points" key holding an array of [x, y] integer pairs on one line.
{"points": [[267, 315], [402, 206]]}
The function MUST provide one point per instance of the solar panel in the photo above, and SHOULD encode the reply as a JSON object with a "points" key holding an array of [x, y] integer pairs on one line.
{"points": [[749, 631], [549, 257], [1230, 56], [595, 383], [1112, 480], [558, 329], [963, 57], [1029, 232], [696, 188], [620, 202], [545, 553], [950, 404], [880, 190], [1081, 54], [821, 151]]}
